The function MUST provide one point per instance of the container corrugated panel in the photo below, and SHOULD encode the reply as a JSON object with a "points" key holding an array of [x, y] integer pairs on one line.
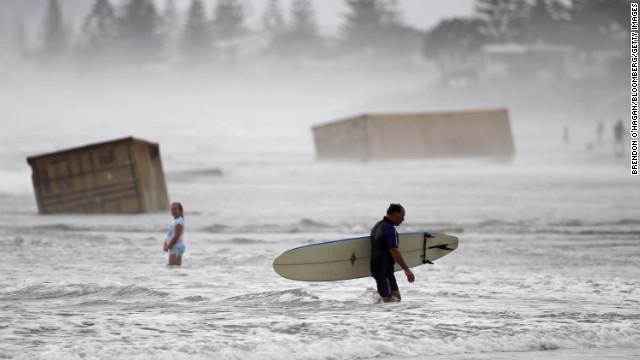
{"points": [[100, 178], [444, 134], [347, 138]]}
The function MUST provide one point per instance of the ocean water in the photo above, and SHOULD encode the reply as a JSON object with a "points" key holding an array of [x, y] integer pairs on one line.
{"points": [[547, 265]]}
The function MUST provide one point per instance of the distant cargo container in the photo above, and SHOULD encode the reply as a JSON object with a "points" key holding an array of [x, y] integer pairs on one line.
{"points": [[118, 176], [380, 136]]}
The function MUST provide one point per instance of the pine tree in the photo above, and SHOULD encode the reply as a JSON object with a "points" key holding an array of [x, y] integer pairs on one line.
{"points": [[170, 29], [13, 37], [300, 36], [54, 37], [5, 44], [138, 32], [99, 33], [170, 16], [197, 38], [3, 29], [365, 23], [502, 18], [273, 20], [392, 12], [545, 22], [377, 25], [19, 35], [303, 23], [228, 19]]}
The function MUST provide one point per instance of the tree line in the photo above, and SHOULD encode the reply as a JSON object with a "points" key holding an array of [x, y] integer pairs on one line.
{"points": [[586, 26], [137, 32]]}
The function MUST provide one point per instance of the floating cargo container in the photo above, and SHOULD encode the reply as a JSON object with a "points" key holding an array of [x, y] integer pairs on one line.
{"points": [[121, 176], [411, 135]]}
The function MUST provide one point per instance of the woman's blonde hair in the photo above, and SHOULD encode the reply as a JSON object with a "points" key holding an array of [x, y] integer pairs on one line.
{"points": [[179, 207]]}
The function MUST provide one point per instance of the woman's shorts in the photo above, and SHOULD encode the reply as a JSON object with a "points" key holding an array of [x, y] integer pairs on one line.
{"points": [[177, 250]]}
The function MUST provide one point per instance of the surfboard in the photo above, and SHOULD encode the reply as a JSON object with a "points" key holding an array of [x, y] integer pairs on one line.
{"points": [[349, 258]]}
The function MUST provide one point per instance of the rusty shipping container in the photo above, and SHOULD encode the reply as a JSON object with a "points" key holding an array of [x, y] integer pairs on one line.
{"points": [[410, 135], [121, 176]]}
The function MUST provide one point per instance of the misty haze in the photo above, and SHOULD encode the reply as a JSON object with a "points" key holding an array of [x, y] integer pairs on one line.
{"points": [[232, 92], [140, 64]]}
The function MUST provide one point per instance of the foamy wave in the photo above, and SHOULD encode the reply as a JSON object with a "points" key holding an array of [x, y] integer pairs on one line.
{"points": [[88, 227], [242, 241], [430, 343], [61, 227], [62, 289], [532, 226], [492, 226], [290, 297], [302, 226], [190, 175], [283, 343], [195, 298]]}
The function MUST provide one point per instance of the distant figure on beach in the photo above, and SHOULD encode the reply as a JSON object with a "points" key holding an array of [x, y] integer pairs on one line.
{"points": [[385, 254], [600, 132], [174, 243], [618, 133]]}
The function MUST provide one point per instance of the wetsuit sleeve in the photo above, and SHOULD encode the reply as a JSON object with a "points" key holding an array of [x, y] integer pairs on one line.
{"points": [[391, 236]]}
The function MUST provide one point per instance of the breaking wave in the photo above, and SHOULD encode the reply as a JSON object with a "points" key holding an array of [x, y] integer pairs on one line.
{"points": [[56, 290], [291, 297]]}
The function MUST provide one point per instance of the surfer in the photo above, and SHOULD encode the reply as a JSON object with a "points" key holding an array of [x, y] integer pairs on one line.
{"points": [[174, 243], [385, 254]]}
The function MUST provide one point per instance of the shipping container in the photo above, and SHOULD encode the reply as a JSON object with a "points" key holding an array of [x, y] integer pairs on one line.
{"points": [[121, 176], [411, 135]]}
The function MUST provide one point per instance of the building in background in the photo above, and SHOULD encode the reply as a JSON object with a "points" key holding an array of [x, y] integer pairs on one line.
{"points": [[546, 63], [121, 176], [417, 135]]}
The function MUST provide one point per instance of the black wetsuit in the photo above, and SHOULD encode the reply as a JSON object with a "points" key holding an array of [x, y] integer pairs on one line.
{"points": [[383, 238]]}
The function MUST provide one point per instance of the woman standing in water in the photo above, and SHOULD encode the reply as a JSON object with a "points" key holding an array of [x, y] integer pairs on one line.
{"points": [[174, 243]]}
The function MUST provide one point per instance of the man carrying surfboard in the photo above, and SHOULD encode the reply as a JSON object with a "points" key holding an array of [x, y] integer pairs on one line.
{"points": [[385, 254]]}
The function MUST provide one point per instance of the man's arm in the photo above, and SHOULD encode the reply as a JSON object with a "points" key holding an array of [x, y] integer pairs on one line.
{"points": [[397, 256]]}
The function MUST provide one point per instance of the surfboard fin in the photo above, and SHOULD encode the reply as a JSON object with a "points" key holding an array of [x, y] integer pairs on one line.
{"points": [[441, 247], [424, 249]]}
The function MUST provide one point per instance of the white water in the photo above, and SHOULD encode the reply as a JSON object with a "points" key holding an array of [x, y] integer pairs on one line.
{"points": [[547, 264]]}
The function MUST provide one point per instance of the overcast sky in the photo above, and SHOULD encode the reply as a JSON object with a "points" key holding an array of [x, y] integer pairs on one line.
{"points": [[422, 14]]}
